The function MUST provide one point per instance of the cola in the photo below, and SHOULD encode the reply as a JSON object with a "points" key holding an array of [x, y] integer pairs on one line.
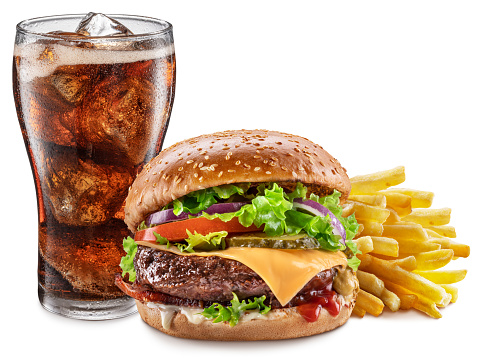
{"points": [[91, 114]]}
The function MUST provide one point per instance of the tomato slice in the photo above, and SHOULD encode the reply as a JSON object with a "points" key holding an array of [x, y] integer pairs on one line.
{"points": [[176, 231]]}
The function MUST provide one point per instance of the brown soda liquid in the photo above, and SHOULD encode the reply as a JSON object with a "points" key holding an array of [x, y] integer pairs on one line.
{"points": [[88, 129]]}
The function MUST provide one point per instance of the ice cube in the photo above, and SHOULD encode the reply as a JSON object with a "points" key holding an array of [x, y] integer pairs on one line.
{"points": [[81, 192], [118, 117], [94, 24]]}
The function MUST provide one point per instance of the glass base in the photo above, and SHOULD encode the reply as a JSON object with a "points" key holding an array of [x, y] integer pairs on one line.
{"points": [[87, 310]]}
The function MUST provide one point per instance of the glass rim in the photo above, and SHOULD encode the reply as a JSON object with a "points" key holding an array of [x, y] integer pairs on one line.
{"points": [[21, 28]]}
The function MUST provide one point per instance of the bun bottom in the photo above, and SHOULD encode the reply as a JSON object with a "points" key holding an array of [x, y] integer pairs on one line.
{"points": [[282, 324]]}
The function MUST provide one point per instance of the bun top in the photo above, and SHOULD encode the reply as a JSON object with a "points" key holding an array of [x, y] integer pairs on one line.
{"points": [[232, 157]]}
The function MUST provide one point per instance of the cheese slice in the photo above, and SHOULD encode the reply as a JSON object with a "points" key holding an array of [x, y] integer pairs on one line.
{"points": [[284, 271]]}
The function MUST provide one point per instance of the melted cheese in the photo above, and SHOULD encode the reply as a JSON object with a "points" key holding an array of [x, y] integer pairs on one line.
{"points": [[284, 271]]}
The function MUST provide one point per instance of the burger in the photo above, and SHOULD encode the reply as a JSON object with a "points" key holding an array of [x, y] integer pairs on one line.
{"points": [[239, 235]]}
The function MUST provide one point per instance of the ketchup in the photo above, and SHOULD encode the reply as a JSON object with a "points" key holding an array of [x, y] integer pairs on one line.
{"points": [[312, 303]]}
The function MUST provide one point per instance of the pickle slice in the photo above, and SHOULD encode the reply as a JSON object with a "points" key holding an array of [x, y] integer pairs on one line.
{"points": [[292, 242]]}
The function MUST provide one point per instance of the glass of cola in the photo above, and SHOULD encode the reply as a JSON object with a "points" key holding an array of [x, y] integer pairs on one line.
{"points": [[93, 95]]}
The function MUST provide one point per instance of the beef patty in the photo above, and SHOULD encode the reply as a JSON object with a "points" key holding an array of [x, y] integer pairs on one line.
{"points": [[210, 278]]}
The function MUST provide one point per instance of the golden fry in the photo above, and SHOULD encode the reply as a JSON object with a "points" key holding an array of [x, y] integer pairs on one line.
{"points": [[370, 228], [358, 311], [371, 183], [460, 250], [407, 246], [364, 244], [405, 232], [407, 263], [393, 218], [420, 303], [370, 303], [390, 299], [407, 301], [374, 200], [432, 260], [385, 246], [370, 283], [451, 289], [409, 280], [444, 230], [443, 276], [429, 217], [419, 199], [367, 212], [400, 203]]}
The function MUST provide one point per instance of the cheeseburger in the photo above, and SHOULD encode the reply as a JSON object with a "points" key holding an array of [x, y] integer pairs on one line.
{"points": [[239, 236]]}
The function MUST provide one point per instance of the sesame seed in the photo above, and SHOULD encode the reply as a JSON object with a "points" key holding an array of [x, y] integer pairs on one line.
{"points": [[257, 168], [180, 169], [284, 168], [190, 161], [268, 172], [196, 175], [238, 162], [206, 157], [230, 171], [247, 166], [201, 179], [201, 164], [220, 174], [195, 165]]}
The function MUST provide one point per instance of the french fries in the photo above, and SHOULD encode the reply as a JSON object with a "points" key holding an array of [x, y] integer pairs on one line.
{"points": [[405, 245]]}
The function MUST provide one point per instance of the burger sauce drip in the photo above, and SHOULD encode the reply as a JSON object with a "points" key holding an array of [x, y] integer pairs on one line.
{"points": [[312, 303]]}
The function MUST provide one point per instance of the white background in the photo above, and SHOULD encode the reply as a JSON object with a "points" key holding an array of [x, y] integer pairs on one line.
{"points": [[376, 83]]}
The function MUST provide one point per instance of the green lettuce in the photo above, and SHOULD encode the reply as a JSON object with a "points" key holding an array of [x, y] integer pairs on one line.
{"points": [[200, 200], [196, 241], [127, 262], [218, 313], [273, 209]]}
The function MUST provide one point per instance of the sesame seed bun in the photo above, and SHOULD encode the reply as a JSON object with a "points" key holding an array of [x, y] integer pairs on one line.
{"points": [[232, 157]]}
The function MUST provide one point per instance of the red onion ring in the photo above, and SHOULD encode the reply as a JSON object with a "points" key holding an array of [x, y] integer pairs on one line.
{"points": [[164, 216], [317, 209]]}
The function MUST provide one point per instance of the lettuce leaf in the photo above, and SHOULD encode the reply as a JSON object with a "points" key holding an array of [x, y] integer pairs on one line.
{"points": [[127, 262], [196, 241], [200, 200], [353, 261], [218, 313]]}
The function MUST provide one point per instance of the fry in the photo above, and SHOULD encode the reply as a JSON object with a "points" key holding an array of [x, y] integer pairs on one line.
{"points": [[370, 303], [390, 299], [364, 244], [460, 250], [429, 217], [444, 230], [409, 280], [421, 303], [385, 246], [407, 246], [405, 232], [370, 228], [408, 263], [407, 301], [452, 290], [433, 260], [393, 218], [370, 283], [371, 183], [419, 199], [399, 202], [443, 276], [374, 200], [358, 311], [368, 212]]}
